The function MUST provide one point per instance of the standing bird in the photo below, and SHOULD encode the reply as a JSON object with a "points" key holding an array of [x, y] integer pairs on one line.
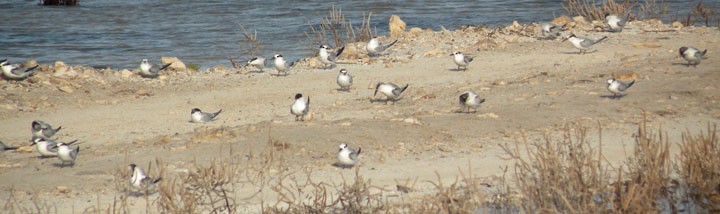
{"points": [[347, 157], [327, 57], [197, 116], [461, 60], [300, 107], [4, 147], [344, 80], [470, 99], [550, 30], [257, 62], [140, 181], [617, 87], [390, 90], [41, 129], [46, 147], [692, 55], [583, 44], [11, 72], [148, 70], [66, 153], [615, 23], [281, 65], [374, 46]]}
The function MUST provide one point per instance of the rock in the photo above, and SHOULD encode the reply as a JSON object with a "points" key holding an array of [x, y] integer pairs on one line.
{"points": [[142, 92], [625, 76], [66, 89], [579, 20], [396, 26], [25, 149], [29, 63], [60, 64], [488, 115], [677, 24], [351, 52], [633, 58], [561, 20], [412, 120], [487, 44], [176, 63], [62, 189], [512, 38], [64, 71], [648, 44], [416, 30], [125, 73], [433, 52]]}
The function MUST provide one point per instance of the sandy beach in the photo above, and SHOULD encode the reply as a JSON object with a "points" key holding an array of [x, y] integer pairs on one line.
{"points": [[532, 87]]}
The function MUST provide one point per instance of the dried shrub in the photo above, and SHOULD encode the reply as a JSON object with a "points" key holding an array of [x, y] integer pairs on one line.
{"points": [[566, 175], [251, 42], [643, 189], [466, 194], [699, 167], [703, 13], [204, 189], [336, 28], [632, 9]]}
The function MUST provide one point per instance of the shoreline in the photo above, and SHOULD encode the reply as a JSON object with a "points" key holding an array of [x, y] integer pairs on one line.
{"points": [[532, 86]]}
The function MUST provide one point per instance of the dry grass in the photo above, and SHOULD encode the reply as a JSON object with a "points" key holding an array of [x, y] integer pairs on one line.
{"points": [[699, 168], [336, 28], [643, 189], [632, 9], [252, 45], [566, 175], [204, 189], [591, 11], [706, 13]]}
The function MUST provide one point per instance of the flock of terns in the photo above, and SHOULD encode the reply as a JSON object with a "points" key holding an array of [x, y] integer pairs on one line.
{"points": [[347, 156]]}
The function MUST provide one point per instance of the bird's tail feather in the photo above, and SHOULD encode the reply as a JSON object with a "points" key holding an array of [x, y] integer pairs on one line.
{"points": [[403, 88], [391, 44], [631, 83], [601, 39], [166, 66], [340, 51]]}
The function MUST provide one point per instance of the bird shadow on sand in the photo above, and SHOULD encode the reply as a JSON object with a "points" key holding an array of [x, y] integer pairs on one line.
{"points": [[578, 53], [386, 101], [60, 165], [683, 64], [460, 111], [345, 90], [342, 166], [140, 193], [457, 70], [612, 97], [279, 75]]}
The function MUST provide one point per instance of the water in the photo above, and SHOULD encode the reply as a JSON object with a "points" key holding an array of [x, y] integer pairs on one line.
{"points": [[120, 33]]}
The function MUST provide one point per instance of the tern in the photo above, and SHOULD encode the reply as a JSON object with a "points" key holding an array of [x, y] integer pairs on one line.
{"points": [[347, 157], [300, 107], [583, 44], [148, 70], [692, 55], [390, 90], [618, 88]]}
